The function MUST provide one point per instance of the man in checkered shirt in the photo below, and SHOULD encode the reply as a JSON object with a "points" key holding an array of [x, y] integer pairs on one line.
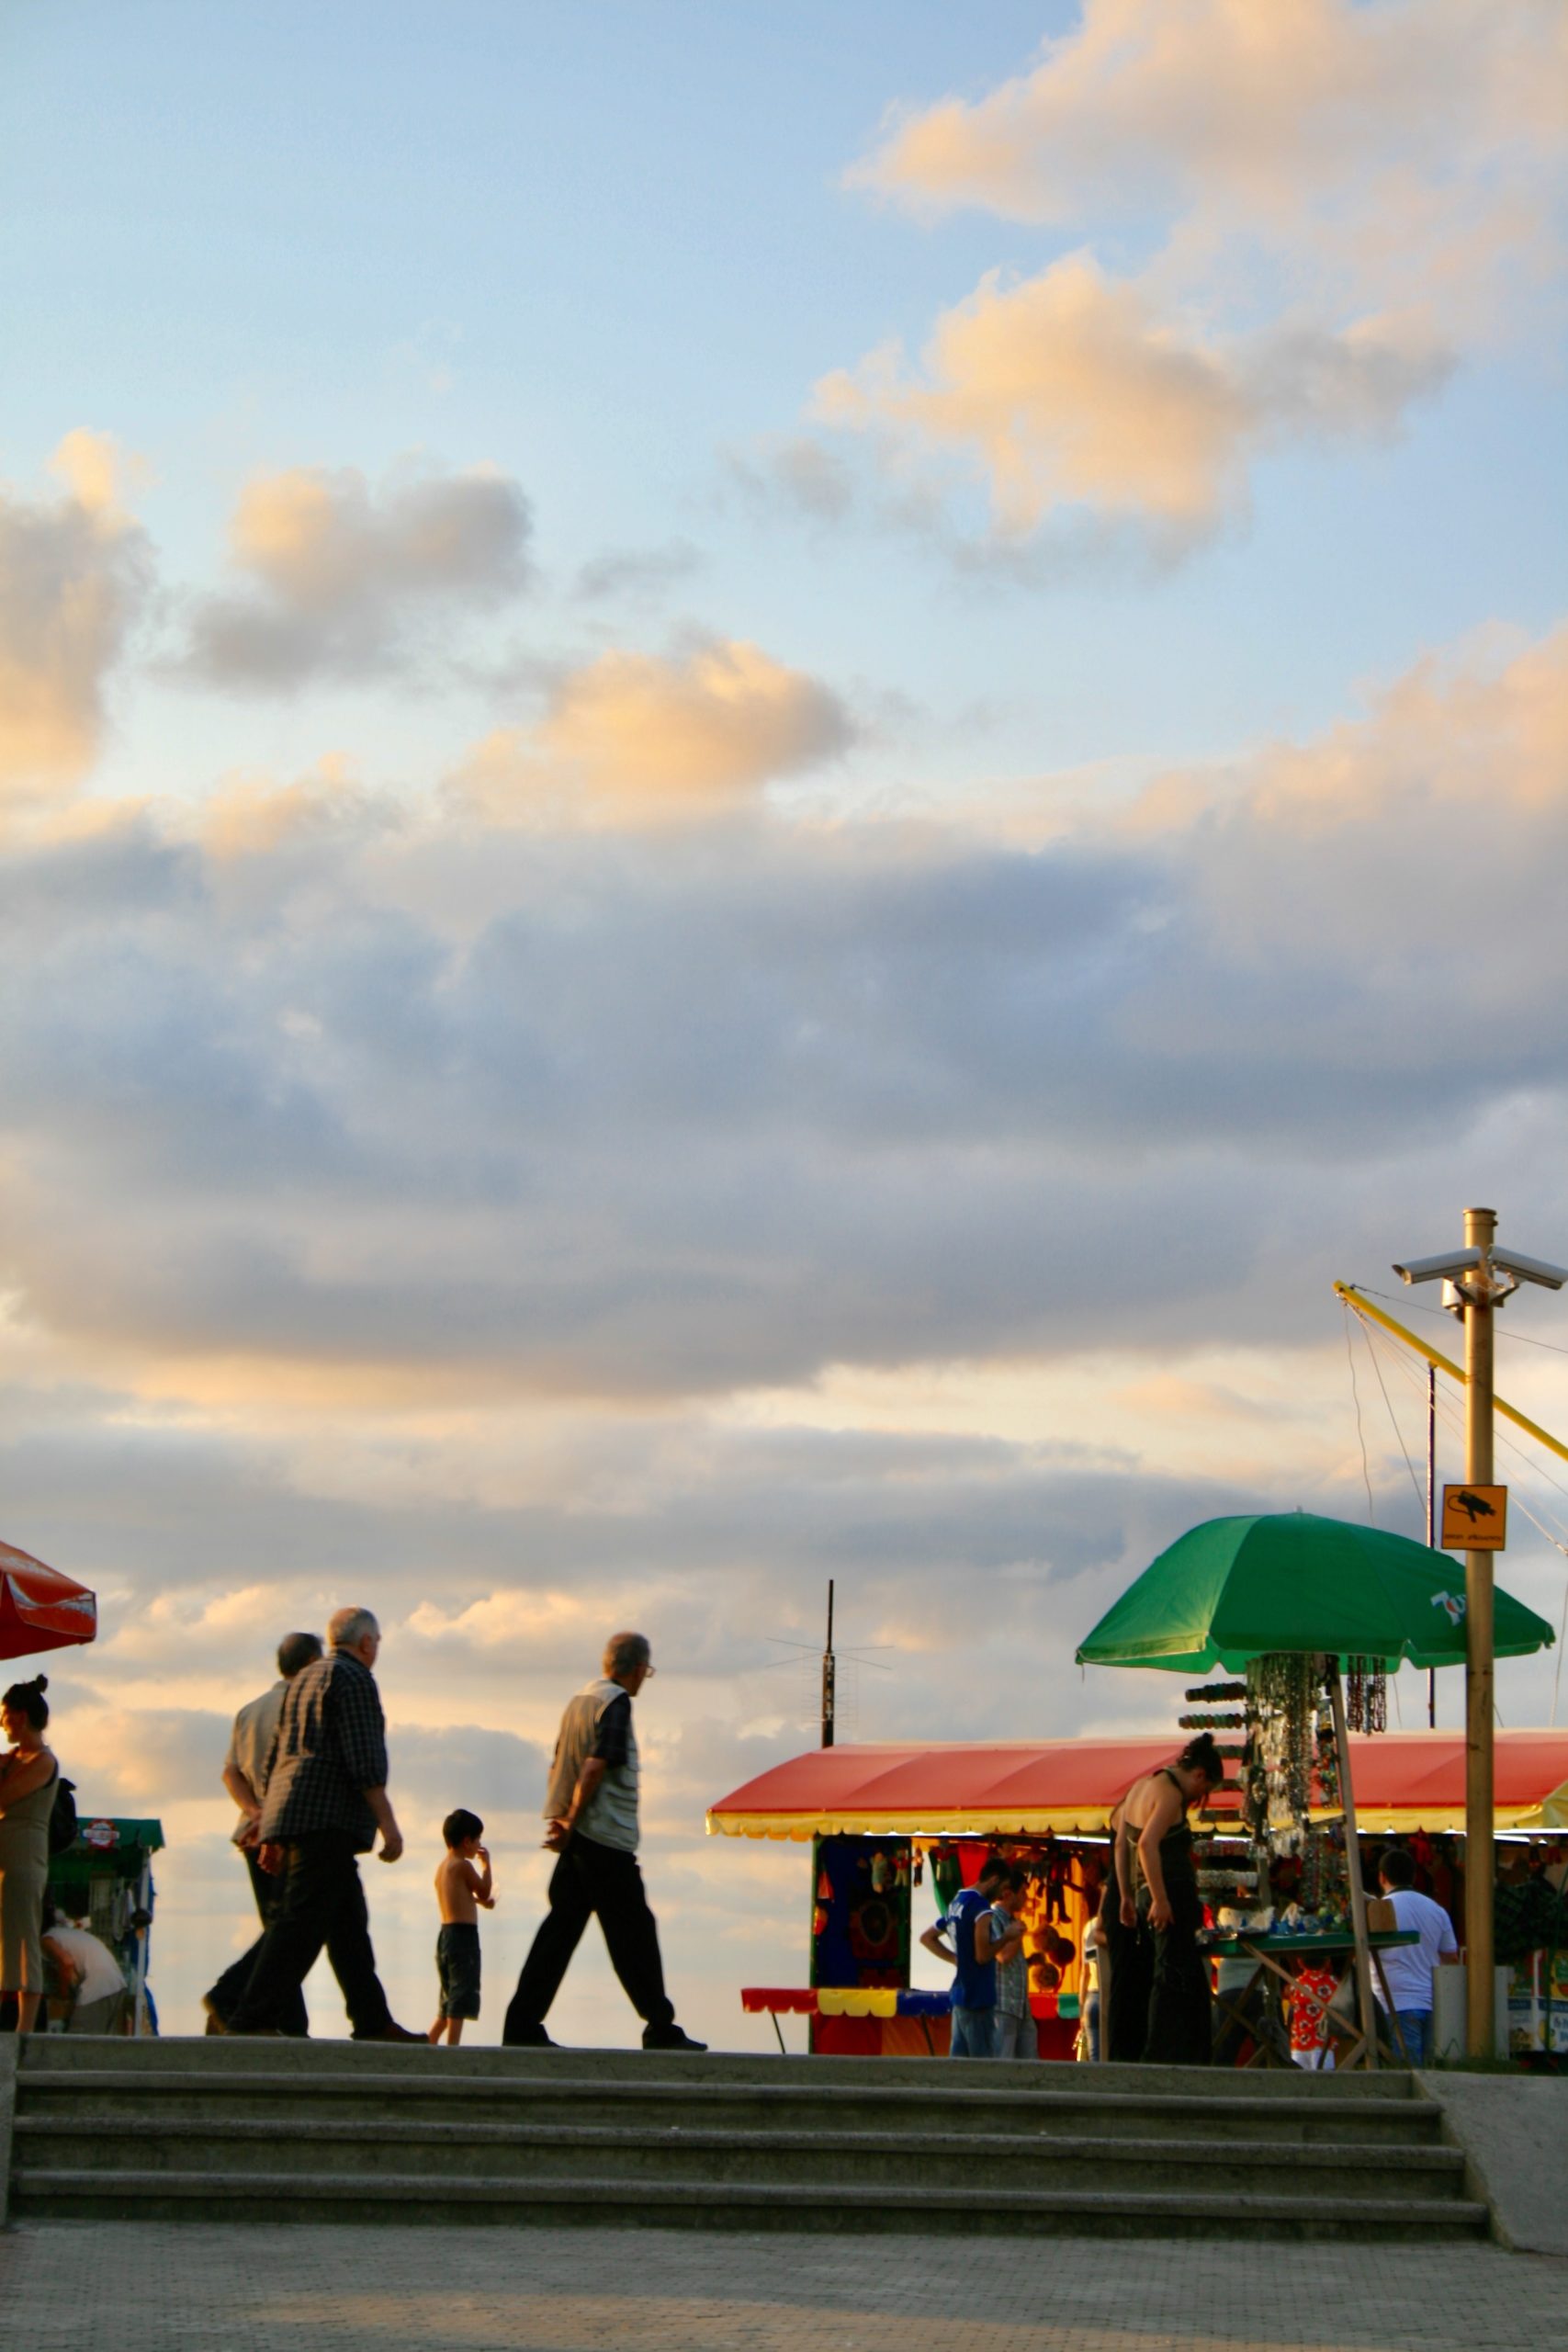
{"points": [[326, 1798]]}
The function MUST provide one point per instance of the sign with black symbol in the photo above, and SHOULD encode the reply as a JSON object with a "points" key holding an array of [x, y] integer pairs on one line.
{"points": [[1475, 1519]]}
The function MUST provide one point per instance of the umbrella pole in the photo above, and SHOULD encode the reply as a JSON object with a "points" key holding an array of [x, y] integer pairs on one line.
{"points": [[1353, 1871]]}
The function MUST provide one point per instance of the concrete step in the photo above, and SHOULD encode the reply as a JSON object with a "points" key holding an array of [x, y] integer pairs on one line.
{"points": [[451, 2152], [270, 2198], [220, 2054], [110, 2094], [275, 2131]]}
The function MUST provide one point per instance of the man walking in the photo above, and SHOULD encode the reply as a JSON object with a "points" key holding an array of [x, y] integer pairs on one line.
{"points": [[244, 1777], [968, 1952], [325, 1799], [591, 1809], [1408, 1969]]}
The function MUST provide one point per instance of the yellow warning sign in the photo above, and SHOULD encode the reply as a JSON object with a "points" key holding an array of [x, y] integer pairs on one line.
{"points": [[1475, 1519]]}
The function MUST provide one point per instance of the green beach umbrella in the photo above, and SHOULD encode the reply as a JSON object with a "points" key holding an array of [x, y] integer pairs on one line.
{"points": [[1234, 1589]]}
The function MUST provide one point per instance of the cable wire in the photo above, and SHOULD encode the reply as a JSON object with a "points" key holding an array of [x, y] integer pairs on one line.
{"points": [[1366, 1474], [1419, 1306], [1399, 1437]]}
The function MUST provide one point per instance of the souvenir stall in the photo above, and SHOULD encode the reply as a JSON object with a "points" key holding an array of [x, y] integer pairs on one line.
{"points": [[947, 1806], [894, 1833], [105, 1880], [1304, 1618]]}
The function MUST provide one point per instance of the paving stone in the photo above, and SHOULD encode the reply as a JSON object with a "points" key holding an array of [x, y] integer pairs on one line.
{"points": [[163, 2287]]}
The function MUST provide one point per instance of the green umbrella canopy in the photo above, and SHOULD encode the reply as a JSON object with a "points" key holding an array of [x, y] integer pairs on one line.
{"points": [[1237, 1589]]}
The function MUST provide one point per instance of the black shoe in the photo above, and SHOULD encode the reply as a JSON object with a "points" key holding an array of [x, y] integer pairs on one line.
{"points": [[391, 2033], [531, 2037], [215, 2023], [669, 2037]]}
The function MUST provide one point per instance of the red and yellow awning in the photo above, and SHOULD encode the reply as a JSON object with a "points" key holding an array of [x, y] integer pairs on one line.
{"points": [[1405, 1781]]}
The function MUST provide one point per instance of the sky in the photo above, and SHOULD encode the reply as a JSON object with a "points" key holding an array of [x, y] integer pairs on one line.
{"points": [[762, 772]]}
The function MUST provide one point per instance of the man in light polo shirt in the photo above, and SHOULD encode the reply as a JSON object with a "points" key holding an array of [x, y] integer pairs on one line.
{"points": [[592, 1808], [244, 1777], [1409, 1968]]}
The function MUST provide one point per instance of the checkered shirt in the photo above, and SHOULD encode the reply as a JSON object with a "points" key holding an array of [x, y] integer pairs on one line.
{"points": [[330, 1746]]}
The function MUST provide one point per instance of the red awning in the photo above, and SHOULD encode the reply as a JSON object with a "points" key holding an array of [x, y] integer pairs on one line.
{"points": [[40, 1609], [1404, 1781]]}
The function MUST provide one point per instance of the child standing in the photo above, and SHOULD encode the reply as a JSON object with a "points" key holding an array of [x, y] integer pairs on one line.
{"points": [[459, 1888], [1312, 1995]]}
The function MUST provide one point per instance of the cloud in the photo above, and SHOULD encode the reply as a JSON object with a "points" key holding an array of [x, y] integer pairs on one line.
{"points": [[1288, 119], [639, 575], [1330, 206], [484, 1112], [337, 573], [75, 574], [642, 738]]}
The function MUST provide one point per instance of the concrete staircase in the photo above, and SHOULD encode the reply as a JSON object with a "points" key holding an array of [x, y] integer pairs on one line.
{"points": [[270, 2131]]}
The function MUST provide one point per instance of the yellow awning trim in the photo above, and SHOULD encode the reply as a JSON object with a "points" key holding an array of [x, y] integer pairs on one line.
{"points": [[857, 2001], [1086, 1821]]}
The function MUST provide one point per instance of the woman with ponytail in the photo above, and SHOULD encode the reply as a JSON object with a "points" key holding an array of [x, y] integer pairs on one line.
{"points": [[27, 1776], [1158, 1887]]}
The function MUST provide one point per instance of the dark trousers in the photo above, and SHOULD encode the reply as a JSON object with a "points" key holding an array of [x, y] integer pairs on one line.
{"points": [[1180, 2022], [590, 1878], [229, 1989], [1124, 2008], [319, 1901]]}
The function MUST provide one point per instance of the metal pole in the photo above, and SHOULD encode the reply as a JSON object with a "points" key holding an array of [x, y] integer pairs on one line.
{"points": [[1480, 1229], [1431, 1519], [1363, 1962], [829, 1677]]}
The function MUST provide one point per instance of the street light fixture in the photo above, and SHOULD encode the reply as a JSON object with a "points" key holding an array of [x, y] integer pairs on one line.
{"points": [[1476, 1279]]}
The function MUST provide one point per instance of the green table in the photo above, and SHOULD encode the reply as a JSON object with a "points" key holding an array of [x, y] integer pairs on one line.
{"points": [[1271, 2047]]}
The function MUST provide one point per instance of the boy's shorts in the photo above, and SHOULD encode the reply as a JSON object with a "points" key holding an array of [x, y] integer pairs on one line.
{"points": [[457, 1969]]}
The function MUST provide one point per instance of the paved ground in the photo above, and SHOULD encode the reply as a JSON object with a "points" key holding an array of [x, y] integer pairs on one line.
{"points": [[162, 2288]]}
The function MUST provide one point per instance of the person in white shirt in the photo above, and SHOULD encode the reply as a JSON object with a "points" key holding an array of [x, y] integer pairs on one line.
{"points": [[1409, 1968], [245, 1777], [89, 1972]]}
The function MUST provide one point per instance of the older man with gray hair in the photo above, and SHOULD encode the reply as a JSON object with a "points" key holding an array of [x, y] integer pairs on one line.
{"points": [[591, 1809], [326, 1799]]}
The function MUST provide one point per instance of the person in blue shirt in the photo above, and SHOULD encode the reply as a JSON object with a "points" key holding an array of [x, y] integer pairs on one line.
{"points": [[967, 1950]]}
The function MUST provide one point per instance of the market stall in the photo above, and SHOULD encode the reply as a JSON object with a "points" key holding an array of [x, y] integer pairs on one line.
{"points": [[1312, 1614], [105, 1880], [1052, 1799]]}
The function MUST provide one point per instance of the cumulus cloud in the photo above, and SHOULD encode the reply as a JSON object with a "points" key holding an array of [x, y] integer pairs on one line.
{"points": [[1068, 389], [1335, 203], [76, 574], [783, 1096], [637, 738], [336, 571], [1186, 102]]}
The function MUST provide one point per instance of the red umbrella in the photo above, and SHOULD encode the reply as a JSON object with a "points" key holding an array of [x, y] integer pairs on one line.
{"points": [[39, 1608]]}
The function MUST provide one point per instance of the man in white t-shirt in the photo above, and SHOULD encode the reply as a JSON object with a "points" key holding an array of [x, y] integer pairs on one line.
{"points": [[89, 1972], [1409, 1968]]}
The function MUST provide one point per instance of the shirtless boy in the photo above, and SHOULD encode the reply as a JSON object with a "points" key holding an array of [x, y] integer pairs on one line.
{"points": [[460, 1889]]}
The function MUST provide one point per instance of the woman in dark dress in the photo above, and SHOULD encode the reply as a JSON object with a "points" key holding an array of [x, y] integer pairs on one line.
{"points": [[1158, 1882], [1126, 1964]]}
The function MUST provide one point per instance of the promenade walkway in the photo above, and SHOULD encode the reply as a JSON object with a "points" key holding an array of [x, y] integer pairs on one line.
{"points": [[160, 2287]]}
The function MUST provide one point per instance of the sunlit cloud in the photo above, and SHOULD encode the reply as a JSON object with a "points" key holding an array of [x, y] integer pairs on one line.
{"points": [[75, 576], [640, 738], [1335, 204], [337, 573]]}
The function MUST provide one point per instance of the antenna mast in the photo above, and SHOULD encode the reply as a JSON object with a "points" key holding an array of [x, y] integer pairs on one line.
{"points": [[829, 1676]]}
